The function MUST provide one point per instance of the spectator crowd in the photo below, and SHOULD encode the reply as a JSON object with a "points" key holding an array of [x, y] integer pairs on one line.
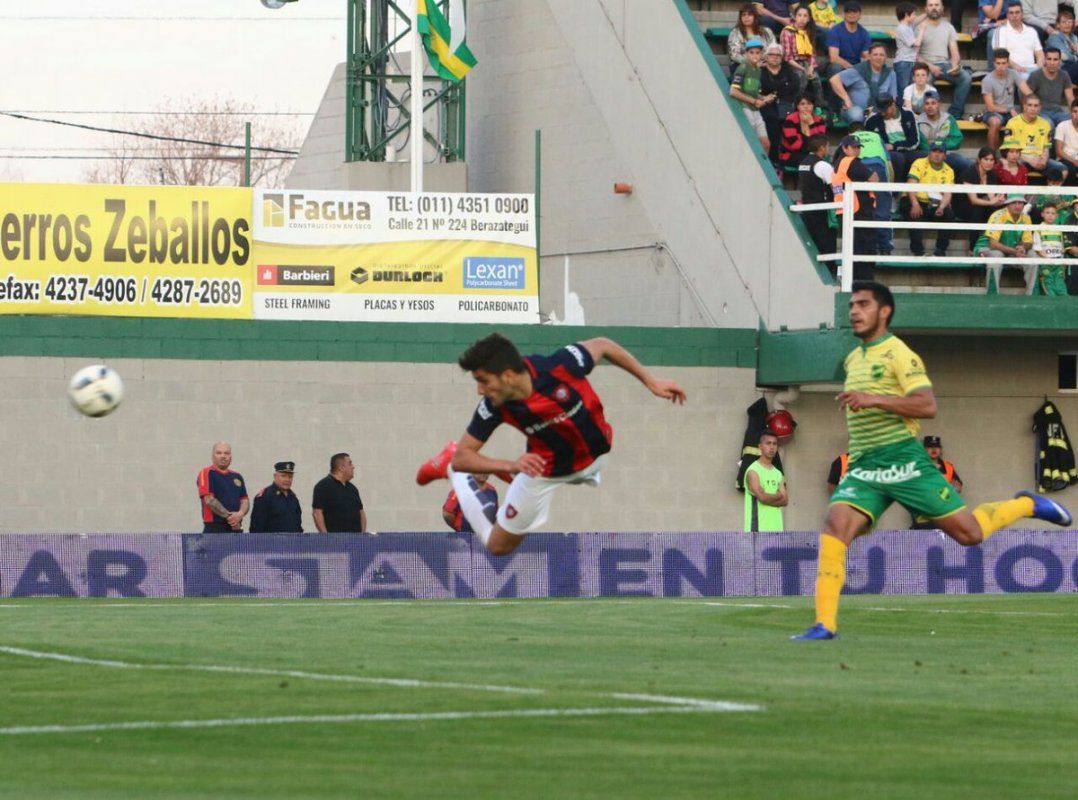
{"points": [[802, 70]]}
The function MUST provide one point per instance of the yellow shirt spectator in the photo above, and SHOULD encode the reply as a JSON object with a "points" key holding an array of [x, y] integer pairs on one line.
{"points": [[1033, 136], [824, 15], [922, 171]]}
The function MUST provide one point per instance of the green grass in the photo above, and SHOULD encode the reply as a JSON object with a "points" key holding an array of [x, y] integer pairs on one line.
{"points": [[922, 698]]}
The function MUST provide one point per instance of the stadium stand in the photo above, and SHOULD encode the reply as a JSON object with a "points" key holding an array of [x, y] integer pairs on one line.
{"points": [[717, 19]]}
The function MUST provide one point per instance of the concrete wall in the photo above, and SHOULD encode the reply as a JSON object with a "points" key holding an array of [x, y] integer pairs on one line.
{"points": [[671, 469], [621, 92], [135, 470]]}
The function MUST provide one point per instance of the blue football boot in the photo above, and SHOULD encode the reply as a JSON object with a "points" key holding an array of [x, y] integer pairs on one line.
{"points": [[816, 633], [1048, 510]]}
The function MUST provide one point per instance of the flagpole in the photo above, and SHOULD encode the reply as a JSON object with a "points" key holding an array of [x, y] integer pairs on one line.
{"points": [[416, 135]]}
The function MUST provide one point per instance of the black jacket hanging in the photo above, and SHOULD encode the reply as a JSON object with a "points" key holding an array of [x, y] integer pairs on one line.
{"points": [[750, 448], [1054, 463]]}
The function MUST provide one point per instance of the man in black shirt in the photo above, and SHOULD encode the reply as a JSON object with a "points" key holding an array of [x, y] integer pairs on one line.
{"points": [[337, 506]]}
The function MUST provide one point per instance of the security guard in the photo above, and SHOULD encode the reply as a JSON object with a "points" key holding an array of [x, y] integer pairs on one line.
{"points": [[276, 508]]}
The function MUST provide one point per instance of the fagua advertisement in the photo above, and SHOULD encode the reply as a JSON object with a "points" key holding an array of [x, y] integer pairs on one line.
{"points": [[136, 251], [395, 257]]}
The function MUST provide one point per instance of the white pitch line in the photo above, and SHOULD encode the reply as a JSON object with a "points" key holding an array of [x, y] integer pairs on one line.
{"points": [[433, 716], [278, 673], [688, 702]]}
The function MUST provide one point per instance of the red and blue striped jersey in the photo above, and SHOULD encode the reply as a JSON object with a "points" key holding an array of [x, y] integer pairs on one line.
{"points": [[563, 416]]}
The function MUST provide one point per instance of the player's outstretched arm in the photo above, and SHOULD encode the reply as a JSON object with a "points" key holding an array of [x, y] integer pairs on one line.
{"points": [[467, 458], [617, 355]]}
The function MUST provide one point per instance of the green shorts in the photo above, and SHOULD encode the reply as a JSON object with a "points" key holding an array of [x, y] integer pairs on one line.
{"points": [[900, 472]]}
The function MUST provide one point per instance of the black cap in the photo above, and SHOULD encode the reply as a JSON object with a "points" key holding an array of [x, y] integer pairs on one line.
{"points": [[884, 100], [933, 441], [284, 466], [851, 5], [937, 146], [1053, 173], [849, 141]]}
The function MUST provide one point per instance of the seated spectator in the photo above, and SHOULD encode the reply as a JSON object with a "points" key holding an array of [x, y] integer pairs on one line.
{"points": [[1066, 41], [1010, 171], [998, 88], [990, 15], [939, 49], [1066, 140], [814, 180], [1040, 15], [935, 127], [907, 43], [897, 128], [1053, 86], [1021, 41], [848, 43], [998, 242], [797, 128], [774, 14], [745, 88], [929, 205], [798, 41], [748, 27], [913, 96], [1034, 133], [1053, 176], [777, 78], [859, 86], [976, 208], [1049, 243]]}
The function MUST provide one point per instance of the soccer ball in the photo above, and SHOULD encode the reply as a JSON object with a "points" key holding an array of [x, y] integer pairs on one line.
{"points": [[96, 390]]}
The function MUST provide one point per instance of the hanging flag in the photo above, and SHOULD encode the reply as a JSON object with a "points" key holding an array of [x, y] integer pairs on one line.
{"points": [[444, 42]]}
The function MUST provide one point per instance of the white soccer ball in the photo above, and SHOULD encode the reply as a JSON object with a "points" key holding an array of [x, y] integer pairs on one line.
{"points": [[96, 390]]}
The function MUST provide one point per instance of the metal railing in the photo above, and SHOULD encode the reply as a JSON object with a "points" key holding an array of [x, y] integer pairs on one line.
{"points": [[846, 256]]}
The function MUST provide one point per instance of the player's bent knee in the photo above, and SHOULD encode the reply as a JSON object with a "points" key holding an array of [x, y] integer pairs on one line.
{"points": [[502, 543], [967, 532]]}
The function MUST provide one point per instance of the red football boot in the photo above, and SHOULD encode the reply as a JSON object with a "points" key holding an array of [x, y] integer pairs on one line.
{"points": [[436, 468]]}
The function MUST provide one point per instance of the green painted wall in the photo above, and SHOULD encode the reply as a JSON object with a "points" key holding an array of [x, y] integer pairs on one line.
{"points": [[129, 337]]}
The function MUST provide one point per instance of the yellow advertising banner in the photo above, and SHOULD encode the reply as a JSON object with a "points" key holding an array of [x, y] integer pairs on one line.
{"points": [[395, 257], [145, 251]]}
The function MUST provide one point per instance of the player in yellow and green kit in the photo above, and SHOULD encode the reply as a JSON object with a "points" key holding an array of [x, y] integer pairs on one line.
{"points": [[887, 391]]}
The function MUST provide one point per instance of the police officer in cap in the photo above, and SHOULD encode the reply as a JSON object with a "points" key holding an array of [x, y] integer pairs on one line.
{"points": [[276, 508]]}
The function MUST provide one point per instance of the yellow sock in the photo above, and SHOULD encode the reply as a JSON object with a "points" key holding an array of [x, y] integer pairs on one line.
{"points": [[830, 577], [993, 516]]}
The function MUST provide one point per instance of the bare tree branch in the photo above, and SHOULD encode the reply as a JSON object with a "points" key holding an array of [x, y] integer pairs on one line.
{"points": [[185, 164]]}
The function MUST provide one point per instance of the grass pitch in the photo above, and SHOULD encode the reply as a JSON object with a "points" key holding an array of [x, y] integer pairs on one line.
{"points": [[922, 697]]}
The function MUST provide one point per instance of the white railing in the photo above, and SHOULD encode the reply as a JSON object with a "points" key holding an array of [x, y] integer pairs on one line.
{"points": [[846, 256]]}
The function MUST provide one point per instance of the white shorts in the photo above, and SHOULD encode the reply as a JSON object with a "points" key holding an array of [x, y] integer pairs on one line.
{"points": [[756, 121], [527, 503]]}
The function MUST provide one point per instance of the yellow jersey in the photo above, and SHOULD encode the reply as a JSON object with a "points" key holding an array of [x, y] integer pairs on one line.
{"points": [[922, 171], [885, 366], [1033, 136]]}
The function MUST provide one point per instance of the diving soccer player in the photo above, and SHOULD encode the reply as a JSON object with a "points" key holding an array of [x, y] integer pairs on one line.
{"points": [[548, 399], [887, 390]]}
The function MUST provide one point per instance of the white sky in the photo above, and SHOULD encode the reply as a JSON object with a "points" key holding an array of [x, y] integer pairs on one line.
{"points": [[139, 55]]}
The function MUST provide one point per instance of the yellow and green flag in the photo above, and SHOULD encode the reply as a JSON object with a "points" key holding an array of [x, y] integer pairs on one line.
{"points": [[445, 42]]}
